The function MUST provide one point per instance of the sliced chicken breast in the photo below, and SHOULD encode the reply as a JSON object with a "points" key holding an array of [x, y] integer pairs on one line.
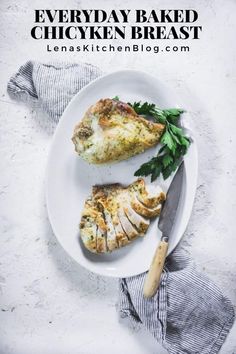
{"points": [[114, 215], [106, 197]]}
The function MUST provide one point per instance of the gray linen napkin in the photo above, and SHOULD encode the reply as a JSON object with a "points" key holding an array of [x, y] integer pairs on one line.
{"points": [[189, 314]]}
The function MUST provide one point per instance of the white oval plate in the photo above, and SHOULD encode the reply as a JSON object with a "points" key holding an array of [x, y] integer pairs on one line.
{"points": [[70, 179]]}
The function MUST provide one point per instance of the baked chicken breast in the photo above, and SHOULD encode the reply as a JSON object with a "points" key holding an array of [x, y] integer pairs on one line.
{"points": [[115, 215], [112, 131]]}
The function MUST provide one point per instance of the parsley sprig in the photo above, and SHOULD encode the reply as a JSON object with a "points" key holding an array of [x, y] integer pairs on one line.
{"points": [[174, 141]]}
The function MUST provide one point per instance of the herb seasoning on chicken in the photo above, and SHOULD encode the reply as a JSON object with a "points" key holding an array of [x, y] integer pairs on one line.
{"points": [[115, 215], [112, 131]]}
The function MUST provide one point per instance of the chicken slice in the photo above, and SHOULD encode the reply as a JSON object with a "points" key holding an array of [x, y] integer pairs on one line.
{"points": [[141, 209], [88, 226], [139, 223], [137, 220], [101, 233], [112, 242], [149, 195], [128, 228], [112, 131], [122, 237]]}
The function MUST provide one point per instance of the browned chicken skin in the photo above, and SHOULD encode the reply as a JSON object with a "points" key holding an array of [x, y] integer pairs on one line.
{"points": [[112, 131]]}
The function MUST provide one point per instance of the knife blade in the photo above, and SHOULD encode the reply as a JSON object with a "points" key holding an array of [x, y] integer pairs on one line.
{"points": [[165, 224], [170, 207]]}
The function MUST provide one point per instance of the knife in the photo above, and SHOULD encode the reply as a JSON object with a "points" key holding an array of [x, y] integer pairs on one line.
{"points": [[165, 224]]}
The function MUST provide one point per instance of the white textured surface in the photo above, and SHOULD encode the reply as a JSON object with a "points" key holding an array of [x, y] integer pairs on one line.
{"points": [[48, 303]]}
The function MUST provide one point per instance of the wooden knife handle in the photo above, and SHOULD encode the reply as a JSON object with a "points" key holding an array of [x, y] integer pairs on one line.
{"points": [[152, 280]]}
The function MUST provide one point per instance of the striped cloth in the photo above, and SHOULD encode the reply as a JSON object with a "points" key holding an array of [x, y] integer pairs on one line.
{"points": [[189, 314], [50, 86]]}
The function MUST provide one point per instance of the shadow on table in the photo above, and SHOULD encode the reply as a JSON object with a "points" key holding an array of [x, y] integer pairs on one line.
{"points": [[78, 278]]}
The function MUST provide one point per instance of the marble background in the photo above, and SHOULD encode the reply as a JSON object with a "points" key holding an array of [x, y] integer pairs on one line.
{"points": [[48, 303]]}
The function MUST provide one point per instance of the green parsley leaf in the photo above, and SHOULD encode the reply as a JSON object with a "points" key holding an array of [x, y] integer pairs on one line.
{"points": [[174, 141], [173, 112], [168, 140], [156, 172], [167, 159]]}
